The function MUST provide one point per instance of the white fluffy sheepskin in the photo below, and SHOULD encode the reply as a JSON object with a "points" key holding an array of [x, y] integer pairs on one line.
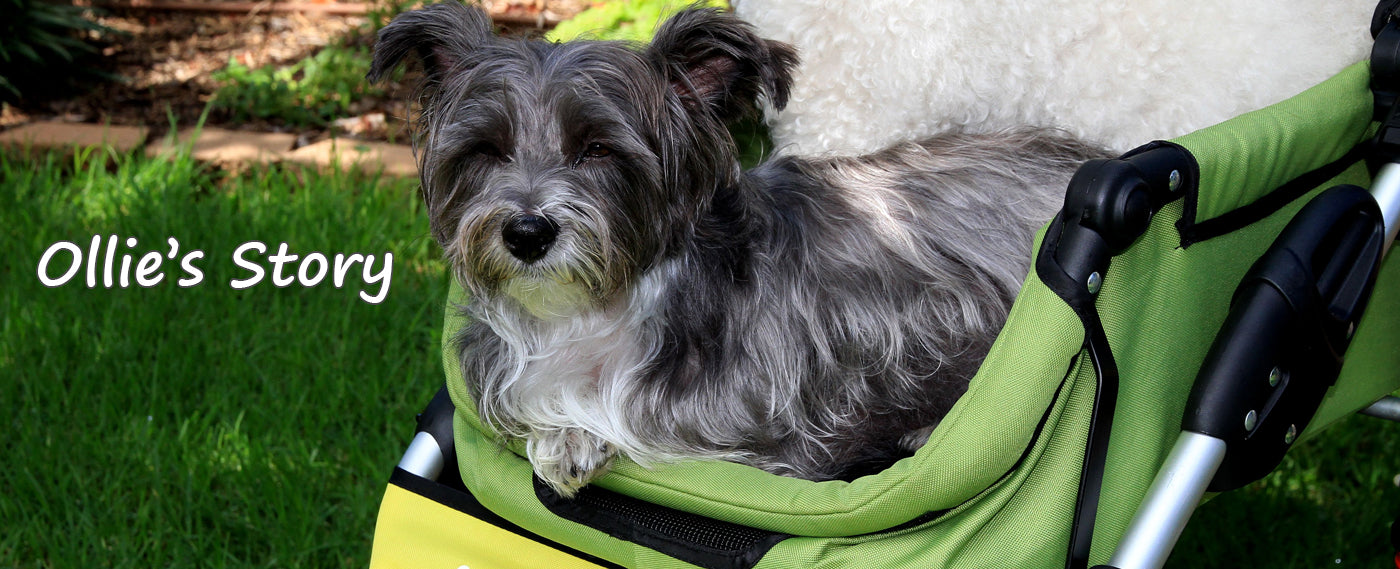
{"points": [[1118, 72]]}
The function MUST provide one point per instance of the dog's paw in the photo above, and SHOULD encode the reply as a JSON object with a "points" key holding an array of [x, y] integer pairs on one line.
{"points": [[914, 440], [568, 459]]}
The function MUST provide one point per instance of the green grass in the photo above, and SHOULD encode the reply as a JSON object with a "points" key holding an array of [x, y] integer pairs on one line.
{"points": [[205, 426], [1330, 504], [213, 427], [628, 20]]}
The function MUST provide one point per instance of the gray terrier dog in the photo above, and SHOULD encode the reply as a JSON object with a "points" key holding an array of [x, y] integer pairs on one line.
{"points": [[633, 292]]}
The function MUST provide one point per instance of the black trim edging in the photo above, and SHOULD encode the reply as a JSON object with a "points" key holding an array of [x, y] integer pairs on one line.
{"points": [[1193, 232], [695, 539]]}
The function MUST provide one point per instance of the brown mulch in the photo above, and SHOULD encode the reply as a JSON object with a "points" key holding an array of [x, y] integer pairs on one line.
{"points": [[167, 58]]}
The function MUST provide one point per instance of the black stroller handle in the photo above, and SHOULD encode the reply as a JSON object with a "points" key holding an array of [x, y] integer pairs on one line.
{"points": [[1291, 321]]}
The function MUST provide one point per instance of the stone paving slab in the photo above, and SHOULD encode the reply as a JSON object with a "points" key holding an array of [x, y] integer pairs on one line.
{"points": [[222, 146], [396, 159], [51, 134]]}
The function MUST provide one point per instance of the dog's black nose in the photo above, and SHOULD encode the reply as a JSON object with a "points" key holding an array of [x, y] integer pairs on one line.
{"points": [[528, 237]]}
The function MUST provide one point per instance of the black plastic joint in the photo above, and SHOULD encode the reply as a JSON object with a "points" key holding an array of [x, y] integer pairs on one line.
{"points": [[1110, 203], [436, 420], [1290, 322], [1386, 12], [1385, 78]]}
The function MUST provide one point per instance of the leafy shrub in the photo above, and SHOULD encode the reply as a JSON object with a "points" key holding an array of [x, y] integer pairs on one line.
{"points": [[631, 20], [310, 92], [41, 44], [380, 12]]}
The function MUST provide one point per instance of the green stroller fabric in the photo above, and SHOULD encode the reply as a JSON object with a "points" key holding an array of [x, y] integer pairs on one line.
{"points": [[996, 483]]}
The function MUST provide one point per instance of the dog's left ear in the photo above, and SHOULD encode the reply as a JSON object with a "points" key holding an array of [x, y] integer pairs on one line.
{"points": [[718, 64], [441, 35]]}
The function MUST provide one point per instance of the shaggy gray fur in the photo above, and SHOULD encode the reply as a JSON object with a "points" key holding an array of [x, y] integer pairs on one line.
{"points": [[632, 291]]}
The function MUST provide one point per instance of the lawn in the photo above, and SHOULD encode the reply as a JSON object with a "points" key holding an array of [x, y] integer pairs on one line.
{"points": [[205, 426], [214, 426], [1330, 504]]}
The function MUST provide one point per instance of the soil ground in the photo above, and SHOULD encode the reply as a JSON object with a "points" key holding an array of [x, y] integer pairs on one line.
{"points": [[166, 59]]}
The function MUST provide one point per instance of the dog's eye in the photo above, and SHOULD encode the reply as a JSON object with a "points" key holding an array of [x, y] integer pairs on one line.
{"points": [[594, 151], [597, 150], [489, 150]]}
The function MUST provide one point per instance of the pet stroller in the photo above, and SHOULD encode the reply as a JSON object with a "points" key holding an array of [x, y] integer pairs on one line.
{"points": [[1184, 324]]}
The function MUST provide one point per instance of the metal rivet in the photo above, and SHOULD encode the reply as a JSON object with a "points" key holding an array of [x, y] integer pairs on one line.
{"points": [[1095, 281], [1274, 377], [1291, 435], [1174, 180], [1251, 420]]}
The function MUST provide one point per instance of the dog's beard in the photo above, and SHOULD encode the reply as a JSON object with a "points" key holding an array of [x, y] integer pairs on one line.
{"points": [[576, 274], [549, 299]]}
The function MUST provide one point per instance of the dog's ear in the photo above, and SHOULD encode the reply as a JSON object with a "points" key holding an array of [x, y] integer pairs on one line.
{"points": [[717, 63], [441, 35]]}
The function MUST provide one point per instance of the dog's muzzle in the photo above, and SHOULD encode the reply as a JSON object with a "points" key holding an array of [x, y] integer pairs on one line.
{"points": [[528, 237]]}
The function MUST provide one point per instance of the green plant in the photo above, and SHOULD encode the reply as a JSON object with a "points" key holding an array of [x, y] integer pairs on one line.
{"points": [[381, 11], [35, 36], [630, 20], [310, 92]]}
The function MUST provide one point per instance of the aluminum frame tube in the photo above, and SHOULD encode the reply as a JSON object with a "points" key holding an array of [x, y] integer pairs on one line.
{"points": [[1386, 189], [1387, 408], [423, 457], [1170, 501]]}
